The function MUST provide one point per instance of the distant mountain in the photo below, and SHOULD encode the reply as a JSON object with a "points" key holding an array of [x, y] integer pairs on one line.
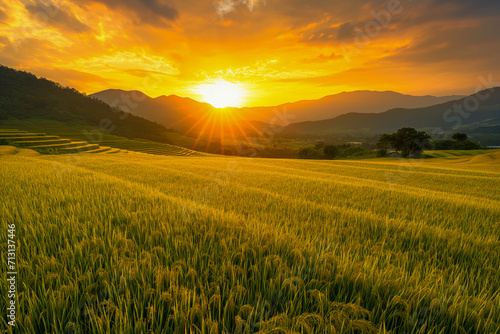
{"points": [[445, 116], [184, 114], [171, 111], [23, 96], [362, 101]]}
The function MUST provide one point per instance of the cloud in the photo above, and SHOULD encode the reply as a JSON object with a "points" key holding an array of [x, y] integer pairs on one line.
{"points": [[130, 62], [150, 12], [345, 30], [3, 16], [471, 45], [27, 51], [227, 6], [466, 8], [322, 58], [144, 73], [70, 77], [57, 17], [289, 45]]}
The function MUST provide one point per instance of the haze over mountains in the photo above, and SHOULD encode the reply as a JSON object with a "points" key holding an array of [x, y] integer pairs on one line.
{"points": [[182, 114]]}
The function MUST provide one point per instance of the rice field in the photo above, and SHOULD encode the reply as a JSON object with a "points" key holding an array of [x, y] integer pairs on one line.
{"points": [[55, 144], [51, 144], [77, 133], [137, 243]]}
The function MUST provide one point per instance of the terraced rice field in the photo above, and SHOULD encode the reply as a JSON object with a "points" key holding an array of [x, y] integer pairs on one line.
{"points": [[232, 245], [150, 147], [95, 136], [51, 143]]}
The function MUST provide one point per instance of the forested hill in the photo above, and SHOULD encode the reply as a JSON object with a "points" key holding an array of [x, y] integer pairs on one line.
{"points": [[23, 96]]}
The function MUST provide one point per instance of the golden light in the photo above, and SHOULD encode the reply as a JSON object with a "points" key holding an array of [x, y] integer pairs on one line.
{"points": [[222, 94]]}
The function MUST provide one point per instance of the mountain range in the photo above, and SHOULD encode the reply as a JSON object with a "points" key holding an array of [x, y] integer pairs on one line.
{"points": [[184, 114], [459, 115]]}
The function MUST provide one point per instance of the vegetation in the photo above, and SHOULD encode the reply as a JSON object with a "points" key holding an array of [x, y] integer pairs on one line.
{"points": [[407, 141], [23, 96], [221, 245], [107, 142], [329, 151], [460, 142], [459, 137]]}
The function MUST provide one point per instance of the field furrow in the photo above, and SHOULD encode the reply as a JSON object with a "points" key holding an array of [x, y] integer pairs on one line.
{"points": [[230, 243]]}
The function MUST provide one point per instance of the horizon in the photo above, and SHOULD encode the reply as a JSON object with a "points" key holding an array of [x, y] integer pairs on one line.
{"points": [[458, 96], [265, 53]]}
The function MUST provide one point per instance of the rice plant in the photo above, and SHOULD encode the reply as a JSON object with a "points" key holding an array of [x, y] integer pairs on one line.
{"points": [[152, 244]]}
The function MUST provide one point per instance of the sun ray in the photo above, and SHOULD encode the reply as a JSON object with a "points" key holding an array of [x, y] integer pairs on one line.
{"points": [[196, 124], [243, 133], [198, 138], [211, 134]]}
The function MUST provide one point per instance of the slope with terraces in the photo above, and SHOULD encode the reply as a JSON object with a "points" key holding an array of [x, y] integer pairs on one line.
{"points": [[55, 144], [51, 144]]}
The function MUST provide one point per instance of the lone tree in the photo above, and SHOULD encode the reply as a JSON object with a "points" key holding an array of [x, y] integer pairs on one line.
{"points": [[407, 141], [459, 137]]}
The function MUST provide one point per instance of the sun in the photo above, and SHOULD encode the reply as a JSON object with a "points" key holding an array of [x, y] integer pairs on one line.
{"points": [[222, 94]]}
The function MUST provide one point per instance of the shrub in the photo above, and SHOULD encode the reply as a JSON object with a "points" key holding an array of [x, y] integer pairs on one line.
{"points": [[310, 153], [331, 151]]}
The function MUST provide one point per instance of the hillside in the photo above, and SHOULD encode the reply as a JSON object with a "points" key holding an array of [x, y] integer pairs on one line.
{"points": [[184, 114], [485, 119], [23, 96]]}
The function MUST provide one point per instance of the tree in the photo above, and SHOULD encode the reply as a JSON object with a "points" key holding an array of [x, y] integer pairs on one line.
{"points": [[459, 136], [305, 153], [309, 153], [385, 142], [331, 151], [319, 145], [407, 141]]}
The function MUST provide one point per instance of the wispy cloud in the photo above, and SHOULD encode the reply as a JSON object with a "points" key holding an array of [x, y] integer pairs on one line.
{"points": [[227, 6]]}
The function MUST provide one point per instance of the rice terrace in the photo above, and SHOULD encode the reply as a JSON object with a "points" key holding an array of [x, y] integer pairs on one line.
{"points": [[250, 166]]}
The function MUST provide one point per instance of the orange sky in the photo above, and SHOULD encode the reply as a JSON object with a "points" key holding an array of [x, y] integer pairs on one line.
{"points": [[279, 50]]}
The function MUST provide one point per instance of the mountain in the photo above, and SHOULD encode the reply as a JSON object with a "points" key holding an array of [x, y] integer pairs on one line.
{"points": [[171, 111], [348, 102], [187, 115], [449, 116], [23, 96]]}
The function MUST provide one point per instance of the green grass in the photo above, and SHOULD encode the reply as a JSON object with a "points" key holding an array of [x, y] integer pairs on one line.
{"points": [[141, 244]]}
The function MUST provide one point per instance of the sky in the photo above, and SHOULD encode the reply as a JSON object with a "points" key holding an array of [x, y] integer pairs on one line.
{"points": [[277, 51]]}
